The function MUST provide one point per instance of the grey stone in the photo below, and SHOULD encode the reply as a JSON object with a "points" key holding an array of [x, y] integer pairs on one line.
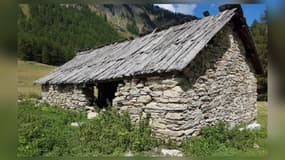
{"points": [[171, 93], [169, 82], [76, 124], [196, 103], [161, 99], [156, 123], [174, 116], [205, 98], [140, 85], [92, 115], [171, 133], [146, 89], [144, 99], [253, 126], [156, 86], [128, 154], [256, 146], [189, 131], [166, 107], [171, 152], [156, 93], [134, 91]]}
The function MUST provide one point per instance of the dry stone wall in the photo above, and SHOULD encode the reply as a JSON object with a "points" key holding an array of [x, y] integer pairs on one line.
{"points": [[218, 85], [68, 96]]}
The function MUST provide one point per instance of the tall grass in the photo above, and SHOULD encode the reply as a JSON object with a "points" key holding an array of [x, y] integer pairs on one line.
{"points": [[46, 131], [27, 72], [221, 140]]}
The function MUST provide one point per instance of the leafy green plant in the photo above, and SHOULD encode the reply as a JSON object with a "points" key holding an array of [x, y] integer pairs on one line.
{"points": [[45, 131], [112, 133], [221, 139], [140, 137]]}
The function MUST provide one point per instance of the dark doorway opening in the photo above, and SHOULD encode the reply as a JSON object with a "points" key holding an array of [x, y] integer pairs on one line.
{"points": [[106, 93]]}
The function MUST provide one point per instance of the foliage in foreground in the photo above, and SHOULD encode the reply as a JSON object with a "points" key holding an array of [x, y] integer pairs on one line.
{"points": [[220, 140], [112, 133], [46, 131]]}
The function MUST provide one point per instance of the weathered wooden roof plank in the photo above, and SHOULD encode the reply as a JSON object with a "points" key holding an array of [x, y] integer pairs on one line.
{"points": [[165, 51]]}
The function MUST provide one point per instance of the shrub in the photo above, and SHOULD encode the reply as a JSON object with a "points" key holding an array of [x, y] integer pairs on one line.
{"points": [[112, 133], [220, 139], [141, 137], [43, 130], [46, 131]]}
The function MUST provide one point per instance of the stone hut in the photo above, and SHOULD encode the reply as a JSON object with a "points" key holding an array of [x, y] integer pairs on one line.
{"points": [[184, 77]]}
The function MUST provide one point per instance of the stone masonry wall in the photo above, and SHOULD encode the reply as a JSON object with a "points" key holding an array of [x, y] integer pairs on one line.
{"points": [[218, 85], [68, 96]]}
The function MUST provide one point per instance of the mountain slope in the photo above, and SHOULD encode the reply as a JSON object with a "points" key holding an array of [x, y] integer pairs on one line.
{"points": [[52, 34], [138, 19]]}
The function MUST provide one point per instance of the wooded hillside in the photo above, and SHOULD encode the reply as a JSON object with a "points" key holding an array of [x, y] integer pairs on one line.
{"points": [[52, 34], [259, 30]]}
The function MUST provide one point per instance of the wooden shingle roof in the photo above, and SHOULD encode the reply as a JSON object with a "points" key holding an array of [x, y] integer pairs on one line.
{"points": [[169, 50]]}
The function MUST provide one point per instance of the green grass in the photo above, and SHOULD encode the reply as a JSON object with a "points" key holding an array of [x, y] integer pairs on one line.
{"points": [[28, 72], [45, 131], [262, 111], [221, 141]]}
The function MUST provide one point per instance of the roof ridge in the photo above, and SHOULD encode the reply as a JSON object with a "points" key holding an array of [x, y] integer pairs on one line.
{"points": [[156, 30], [148, 55]]}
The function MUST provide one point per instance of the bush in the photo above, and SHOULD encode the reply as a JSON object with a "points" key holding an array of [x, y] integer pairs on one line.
{"points": [[112, 133], [220, 139], [140, 137], [46, 131]]}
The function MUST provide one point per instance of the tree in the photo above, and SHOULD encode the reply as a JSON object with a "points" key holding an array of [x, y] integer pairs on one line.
{"points": [[54, 33], [260, 36]]}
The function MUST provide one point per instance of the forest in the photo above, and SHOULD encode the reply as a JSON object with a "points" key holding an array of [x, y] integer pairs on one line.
{"points": [[52, 34], [259, 30]]}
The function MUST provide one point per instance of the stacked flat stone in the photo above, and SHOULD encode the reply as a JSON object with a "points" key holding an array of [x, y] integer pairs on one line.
{"points": [[68, 96], [218, 85]]}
